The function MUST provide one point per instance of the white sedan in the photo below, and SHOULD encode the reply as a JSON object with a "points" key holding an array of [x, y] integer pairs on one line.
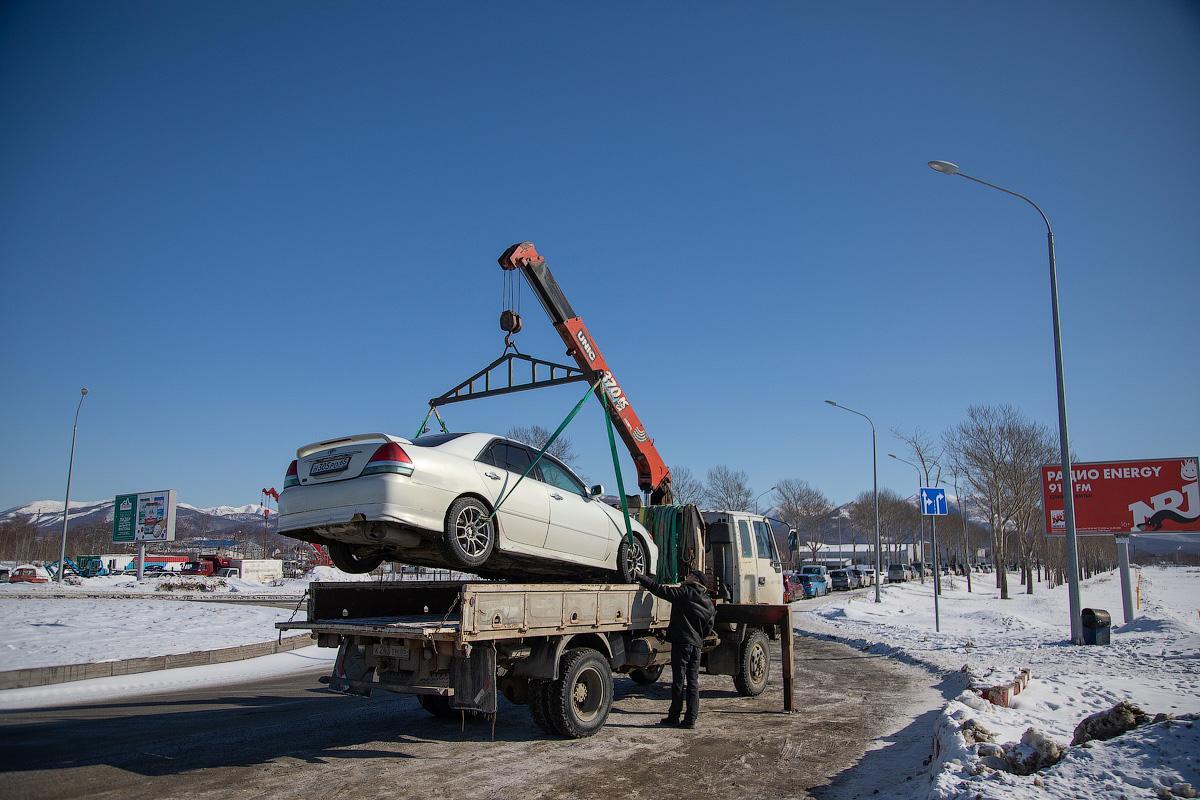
{"points": [[430, 501]]}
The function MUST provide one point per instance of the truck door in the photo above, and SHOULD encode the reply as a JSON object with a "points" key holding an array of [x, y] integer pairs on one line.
{"points": [[747, 565], [768, 567]]}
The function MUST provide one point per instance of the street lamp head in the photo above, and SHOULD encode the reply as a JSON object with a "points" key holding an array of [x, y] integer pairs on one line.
{"points": [[893, 455], [83, 392], [944, 167], [832, 403]]}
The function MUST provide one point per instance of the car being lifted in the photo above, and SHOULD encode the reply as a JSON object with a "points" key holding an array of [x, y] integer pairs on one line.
{"points": [[430, 501]]}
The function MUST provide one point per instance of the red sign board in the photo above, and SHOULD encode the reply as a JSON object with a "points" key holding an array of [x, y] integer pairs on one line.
{"points": [[1126, 497]]}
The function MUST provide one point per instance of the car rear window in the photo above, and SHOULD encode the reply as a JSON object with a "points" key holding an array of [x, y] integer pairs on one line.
{"points": [[435, 439]]}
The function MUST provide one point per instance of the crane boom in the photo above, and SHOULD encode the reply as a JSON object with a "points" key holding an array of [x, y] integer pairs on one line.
{"points": [[653, 475]]}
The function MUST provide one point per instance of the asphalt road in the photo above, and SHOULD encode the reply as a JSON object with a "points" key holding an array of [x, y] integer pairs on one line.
{"points": [[289, 737]]}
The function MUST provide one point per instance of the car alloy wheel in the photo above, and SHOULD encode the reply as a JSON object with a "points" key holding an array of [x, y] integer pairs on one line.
{"points": [[473, 532]]}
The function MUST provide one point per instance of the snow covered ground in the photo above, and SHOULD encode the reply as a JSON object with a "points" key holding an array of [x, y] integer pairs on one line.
{"points": [[1154, 662], [52, 631]]}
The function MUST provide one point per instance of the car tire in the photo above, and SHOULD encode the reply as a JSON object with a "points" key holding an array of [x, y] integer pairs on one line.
{"points": [[579, 701], [344, 558], [629, 559], [647, 675], [754, 665], [464, 543]]}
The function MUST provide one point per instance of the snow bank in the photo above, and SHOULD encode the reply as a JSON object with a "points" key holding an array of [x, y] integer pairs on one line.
{"points": [[306, 659], [1154, 662], [50, 631]]}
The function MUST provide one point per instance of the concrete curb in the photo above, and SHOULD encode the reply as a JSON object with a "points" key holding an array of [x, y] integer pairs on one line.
{"points": [[46, 676]]}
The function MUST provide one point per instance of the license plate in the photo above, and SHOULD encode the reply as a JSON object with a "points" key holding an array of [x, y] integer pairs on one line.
{"points": [[328, 465]]}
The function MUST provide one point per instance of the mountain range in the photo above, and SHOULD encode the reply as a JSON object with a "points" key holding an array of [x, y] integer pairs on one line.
{"points": [[191, 520]]}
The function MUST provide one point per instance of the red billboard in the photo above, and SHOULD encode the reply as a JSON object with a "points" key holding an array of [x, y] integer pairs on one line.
{"points": [[1126, 497]]}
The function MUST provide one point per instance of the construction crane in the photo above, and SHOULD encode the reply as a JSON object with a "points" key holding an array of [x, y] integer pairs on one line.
{"points": [[654, 479]]}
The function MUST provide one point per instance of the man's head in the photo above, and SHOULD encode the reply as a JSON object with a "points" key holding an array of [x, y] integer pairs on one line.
{"points": [[695, 576]]}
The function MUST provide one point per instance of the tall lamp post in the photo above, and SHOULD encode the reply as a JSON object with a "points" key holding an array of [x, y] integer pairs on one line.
{"points": [[768, 491], [948, 168], [62, 553], [918, 498], [875, 484]]}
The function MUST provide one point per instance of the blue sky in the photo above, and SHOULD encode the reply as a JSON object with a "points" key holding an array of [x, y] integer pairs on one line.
{"points": [[250, 226]]}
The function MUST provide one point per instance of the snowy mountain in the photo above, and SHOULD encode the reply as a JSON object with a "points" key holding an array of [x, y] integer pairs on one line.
{"points": [[48, 515]]}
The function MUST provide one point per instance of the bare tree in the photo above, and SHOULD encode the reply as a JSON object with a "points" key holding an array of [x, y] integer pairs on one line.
{"points": [[802, 506], [536, 436], [1030, 446], [686, 488], [728, 489], [927, 455]]}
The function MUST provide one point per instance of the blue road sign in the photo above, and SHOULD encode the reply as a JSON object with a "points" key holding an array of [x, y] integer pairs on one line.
{"points": [[933, 502]]}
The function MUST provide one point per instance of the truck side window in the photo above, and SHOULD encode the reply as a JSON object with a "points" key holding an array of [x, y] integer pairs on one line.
{"points": [[744, 538], [766, 544]]}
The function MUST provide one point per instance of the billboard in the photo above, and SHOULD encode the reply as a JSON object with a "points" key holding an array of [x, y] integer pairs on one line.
{"points": [[144, 517], [1126, 497]]}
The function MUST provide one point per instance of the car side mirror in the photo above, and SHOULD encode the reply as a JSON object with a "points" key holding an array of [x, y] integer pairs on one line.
{"points": [[596, 490]]}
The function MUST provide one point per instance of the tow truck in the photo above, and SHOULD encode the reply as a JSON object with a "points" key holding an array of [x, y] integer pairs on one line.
{"points": [[555, 647]]}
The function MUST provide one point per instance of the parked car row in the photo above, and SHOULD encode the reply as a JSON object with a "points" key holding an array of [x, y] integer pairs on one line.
{"points": [[816, 580]]}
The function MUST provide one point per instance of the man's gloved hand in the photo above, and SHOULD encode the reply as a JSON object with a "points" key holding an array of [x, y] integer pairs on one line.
{"points": [[645, 580]]}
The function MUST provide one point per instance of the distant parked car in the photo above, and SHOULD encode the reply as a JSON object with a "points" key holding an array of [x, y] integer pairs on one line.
{"points": [[866, 575], [792, 589], [817, 570], [897, 573], [842, 580], [4, 573], [26, 573], [814, 585]]}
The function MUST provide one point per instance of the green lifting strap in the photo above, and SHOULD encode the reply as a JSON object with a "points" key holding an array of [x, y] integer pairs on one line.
{"points": [[425, 422], [612, 444], [541, 453]]}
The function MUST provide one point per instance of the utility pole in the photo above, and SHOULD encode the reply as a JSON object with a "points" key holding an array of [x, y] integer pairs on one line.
{"points": [[62, 553]]}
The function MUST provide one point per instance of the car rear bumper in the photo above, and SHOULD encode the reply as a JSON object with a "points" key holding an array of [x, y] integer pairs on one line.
{"points": [[374, 498]]}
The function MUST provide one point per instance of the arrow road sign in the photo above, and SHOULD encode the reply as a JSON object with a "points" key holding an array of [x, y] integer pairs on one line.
{"points": [[933, 502]]}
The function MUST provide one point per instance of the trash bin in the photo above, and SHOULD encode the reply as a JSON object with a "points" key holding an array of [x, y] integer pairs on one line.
{"points": [[1096, 625]]}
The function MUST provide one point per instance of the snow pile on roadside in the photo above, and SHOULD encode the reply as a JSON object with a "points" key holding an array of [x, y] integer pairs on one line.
{"points": [[306, 659], [50, 632], [1154, 662]]}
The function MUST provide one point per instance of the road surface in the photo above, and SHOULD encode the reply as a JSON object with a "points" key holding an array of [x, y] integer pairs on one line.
{"points": [[289, 737]]}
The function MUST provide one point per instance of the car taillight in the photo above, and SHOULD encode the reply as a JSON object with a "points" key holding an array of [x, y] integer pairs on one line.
{"points": [[292, 476], [389, 457]]}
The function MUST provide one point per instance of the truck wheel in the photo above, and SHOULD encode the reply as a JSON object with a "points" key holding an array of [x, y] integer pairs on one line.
{"points": [[437, 705], [647, 675], [754, 665], [468, 540], [631, 561], [345, 559], [539, 708], [579, 701]]}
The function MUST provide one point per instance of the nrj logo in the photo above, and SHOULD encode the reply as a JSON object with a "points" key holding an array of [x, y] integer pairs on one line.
{"points": [[1058, 518], [1182, 506]]}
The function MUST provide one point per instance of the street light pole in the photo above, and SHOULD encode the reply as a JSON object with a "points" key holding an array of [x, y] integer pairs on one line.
{"points": [[948, 168], [62, 553], [937, 572], [768, 491], [875, 484], [966, 541]]}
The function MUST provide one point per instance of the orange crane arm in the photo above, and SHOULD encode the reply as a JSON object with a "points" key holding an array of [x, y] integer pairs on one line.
{"points": [[653, 475]]}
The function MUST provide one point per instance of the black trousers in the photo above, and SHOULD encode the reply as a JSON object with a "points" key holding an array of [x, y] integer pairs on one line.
{"points": [[685, 669]]}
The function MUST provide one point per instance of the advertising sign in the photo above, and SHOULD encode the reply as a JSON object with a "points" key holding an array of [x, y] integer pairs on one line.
{"points": [[144, 517], [1126, 497]]}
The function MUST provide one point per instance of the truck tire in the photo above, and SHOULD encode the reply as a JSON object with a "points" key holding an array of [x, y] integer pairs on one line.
{"points": [[578, 703], [539, 708], [344, 558], [647, 675], [754, 665], [631, 561], [465, 543]]}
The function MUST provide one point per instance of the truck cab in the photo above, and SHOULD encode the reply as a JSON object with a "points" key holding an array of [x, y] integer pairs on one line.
{"points": [[745, 560]]}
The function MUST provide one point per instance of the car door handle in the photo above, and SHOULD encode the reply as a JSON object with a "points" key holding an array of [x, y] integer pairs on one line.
{"points": [[492, 475], [556, 496]]}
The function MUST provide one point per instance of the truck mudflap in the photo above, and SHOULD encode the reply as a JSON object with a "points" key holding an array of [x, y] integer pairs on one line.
{"points": [[351, 672], [473, 677]]}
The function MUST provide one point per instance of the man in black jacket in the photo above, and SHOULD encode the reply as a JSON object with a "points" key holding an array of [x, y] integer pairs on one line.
{"points": [[692, 616]]}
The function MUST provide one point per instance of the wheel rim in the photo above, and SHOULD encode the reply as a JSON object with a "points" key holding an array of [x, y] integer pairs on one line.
{"points": [[635, 558], [472, 532], [758, 664], [587, 694]]}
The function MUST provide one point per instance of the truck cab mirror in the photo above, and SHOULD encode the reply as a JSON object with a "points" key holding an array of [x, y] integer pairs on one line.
{"points": [[596, 490]]}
